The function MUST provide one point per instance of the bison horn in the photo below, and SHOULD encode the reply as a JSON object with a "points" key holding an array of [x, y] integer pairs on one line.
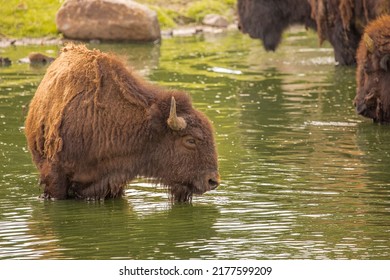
{"points": [[369, 42], [384, 62], [175, 122]]}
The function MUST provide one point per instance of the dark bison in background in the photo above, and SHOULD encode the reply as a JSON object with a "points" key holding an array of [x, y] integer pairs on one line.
{"points": [[373, 72], [93, 126], [341, 22], [267, 20]]}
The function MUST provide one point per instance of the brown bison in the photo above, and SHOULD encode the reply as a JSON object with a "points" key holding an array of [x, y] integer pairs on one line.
{"points": [[341, 22], [373, 72], [93, 126]]}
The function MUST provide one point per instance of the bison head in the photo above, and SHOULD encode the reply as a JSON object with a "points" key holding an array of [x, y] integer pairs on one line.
{"points": [[260, 19], [267, 20], [373, 72], [184, 156]]}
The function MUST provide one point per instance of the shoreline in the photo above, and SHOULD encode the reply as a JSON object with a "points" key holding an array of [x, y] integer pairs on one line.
{"points": [[183, 31]]}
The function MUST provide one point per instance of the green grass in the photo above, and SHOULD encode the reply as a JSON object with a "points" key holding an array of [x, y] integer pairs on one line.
{"points": [[173, 12], [199, 9], [30, 18], [36, 18], [165, 16]]}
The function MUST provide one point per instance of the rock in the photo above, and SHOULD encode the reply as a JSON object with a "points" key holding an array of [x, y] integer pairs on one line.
{"points": [[7, 42], [38, 58], [215, 20], [186, 31], [112, 20], [35, 58]]}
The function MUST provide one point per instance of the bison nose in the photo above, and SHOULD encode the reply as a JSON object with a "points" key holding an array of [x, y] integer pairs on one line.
{"points": [[213, 181], [361, 108]]}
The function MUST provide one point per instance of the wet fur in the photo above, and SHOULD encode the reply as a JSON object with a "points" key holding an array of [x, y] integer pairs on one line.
{"points": [[342, 23]]}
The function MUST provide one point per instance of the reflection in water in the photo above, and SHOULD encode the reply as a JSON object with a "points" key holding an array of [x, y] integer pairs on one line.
{"points": [[78, 230], [302, 175]]}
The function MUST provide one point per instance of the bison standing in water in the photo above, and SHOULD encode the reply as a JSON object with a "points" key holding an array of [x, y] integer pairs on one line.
{"points": [[93, 126], [373, 72], [341, 22]]}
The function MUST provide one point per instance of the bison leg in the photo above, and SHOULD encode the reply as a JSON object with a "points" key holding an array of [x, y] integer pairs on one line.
{"points": [[54, 180], [100, 190]]}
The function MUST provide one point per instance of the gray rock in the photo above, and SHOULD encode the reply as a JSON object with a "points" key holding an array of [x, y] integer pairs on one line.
{"points": [[215, 20], [113, 20]]}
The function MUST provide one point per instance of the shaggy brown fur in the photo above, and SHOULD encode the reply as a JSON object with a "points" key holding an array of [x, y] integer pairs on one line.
{"points": [[341, 22], [93, 126], [373, 72]]}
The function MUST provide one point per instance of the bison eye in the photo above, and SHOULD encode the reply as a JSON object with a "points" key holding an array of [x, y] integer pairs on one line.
{"points": [[189, 142]]}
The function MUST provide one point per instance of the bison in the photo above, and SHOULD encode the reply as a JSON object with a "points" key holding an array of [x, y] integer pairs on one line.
{"points": [[341, 22], [267, 20], [93, 125], [372, 98]]}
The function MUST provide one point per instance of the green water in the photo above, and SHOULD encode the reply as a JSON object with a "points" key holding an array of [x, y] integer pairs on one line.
{"points": [[303, 177]]}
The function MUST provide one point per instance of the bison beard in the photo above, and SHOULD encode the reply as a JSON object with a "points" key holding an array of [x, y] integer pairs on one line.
{"points": [[93, 126]]}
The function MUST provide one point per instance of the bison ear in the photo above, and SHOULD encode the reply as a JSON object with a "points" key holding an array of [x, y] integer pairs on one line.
{"points": [[384, 62], [369, 43], [174, 122]]}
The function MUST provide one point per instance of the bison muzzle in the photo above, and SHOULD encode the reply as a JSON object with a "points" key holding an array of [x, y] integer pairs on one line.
{"points": [[93, 126]]}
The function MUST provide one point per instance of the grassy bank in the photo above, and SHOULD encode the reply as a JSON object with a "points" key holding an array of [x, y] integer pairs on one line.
{"points": [[30, 18], [36, 18], [172, 13]]}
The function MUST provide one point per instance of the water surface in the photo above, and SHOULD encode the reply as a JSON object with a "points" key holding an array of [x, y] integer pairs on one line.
{"points": [[303, 177]]}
